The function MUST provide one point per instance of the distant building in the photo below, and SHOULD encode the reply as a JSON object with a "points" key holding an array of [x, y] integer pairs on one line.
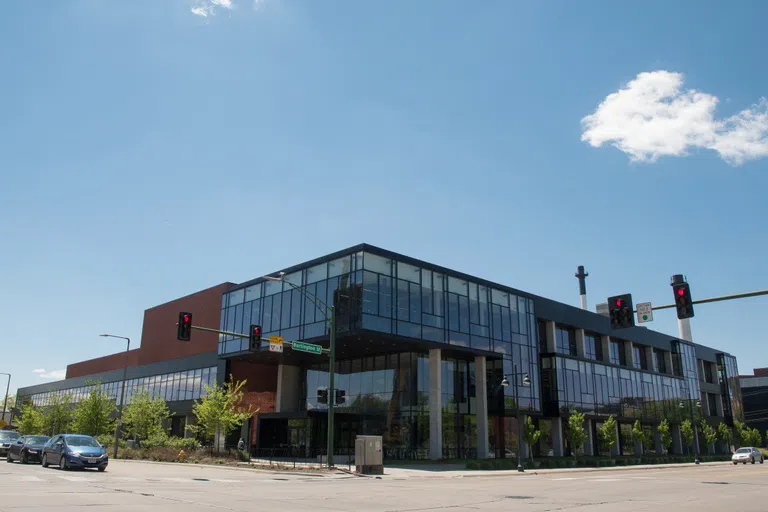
{"points": [[754, 390]]}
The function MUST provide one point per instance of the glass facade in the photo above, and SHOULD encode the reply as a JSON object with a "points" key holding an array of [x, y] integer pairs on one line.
{"points": [[565, 341], [685, 356], [593, 349], [617, 355], [730, 389], [171, 387], [597, 389]]}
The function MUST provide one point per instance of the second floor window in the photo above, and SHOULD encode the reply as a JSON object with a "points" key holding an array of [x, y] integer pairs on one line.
{"points": [[638, 358], [617, 354], [592, 347], [566, 341]]}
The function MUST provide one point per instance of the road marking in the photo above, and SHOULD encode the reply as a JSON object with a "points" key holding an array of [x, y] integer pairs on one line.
{"points": [[31, 479], [73, 478], [607, 479], [124, 478], [225, 481], [566, 478]]}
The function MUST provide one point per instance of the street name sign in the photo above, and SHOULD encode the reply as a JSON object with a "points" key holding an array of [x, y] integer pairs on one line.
{"points": [[307, 347], [275, 343], [644, 312]]}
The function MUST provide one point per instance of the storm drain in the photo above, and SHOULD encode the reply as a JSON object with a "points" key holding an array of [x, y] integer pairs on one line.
{"points": [[716, 483], [201, 480]]}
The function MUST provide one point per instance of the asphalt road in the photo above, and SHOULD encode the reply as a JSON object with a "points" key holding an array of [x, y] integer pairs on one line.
{"points": [[131, 486]]}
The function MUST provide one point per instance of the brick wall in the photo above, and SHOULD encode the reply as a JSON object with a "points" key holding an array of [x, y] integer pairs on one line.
{"points": [[158, 335]]}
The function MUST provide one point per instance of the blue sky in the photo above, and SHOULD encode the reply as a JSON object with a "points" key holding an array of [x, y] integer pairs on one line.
{"points": [[147, 152]]}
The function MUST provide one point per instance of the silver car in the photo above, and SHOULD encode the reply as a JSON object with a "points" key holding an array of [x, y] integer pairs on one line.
{"points": [[747, 454]]}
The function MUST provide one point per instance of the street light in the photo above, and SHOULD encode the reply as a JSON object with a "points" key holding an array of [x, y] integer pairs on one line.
{"points": [[119, 424], [7, 390], [693, 425], [526, 381], [330, 316]]}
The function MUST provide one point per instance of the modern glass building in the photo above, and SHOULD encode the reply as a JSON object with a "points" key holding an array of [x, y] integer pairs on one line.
{"points": [[422, 351]]}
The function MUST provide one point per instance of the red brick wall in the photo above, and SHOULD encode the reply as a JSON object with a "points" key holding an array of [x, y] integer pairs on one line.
{"points": [[761, 372], [158, 335], [259, 377]]}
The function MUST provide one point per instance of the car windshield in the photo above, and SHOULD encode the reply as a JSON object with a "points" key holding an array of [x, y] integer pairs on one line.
{"points": [[82, 441], [9, 436], [36, 439], [743, 450]]}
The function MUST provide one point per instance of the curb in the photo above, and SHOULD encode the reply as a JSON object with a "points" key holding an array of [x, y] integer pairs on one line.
{"points": [[219, 466], [513, 472]]}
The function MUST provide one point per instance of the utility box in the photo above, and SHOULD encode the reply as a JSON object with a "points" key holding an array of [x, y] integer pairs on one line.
{"points": [[369, 458]]}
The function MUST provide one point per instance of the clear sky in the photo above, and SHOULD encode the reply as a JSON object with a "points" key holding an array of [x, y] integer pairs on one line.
{"points": [[149, 149]]}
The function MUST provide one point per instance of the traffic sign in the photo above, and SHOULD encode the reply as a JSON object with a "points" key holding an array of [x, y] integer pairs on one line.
{"points": [[307, 347], [275, 343], [644, 312]]}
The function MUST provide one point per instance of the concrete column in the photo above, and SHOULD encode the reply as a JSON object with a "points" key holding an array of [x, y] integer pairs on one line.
{"points": [[616, 449], [551, 337], [580, 348], [657, 442], [719, 405], [481, 407], [589, 442], [220, 441], [435, 405], [696, 444], [605, 341], [648, 354], [557, 437], [668, 362], [705, 405], [638, 448], [287, 397], [526, 448], [629, 353], [677, 439]]}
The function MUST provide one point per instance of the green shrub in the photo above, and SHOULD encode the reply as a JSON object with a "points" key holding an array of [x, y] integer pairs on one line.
{"points": [[472, 464], [184, 443], [243, 456]]}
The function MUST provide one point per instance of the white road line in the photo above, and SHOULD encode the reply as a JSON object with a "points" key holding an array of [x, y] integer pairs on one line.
{"points": [[566, 478], [606, 479], [73, 478], [224, 481], [124, 478], [30, 479]]}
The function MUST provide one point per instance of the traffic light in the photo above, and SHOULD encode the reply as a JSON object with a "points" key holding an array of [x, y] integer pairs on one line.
{"points": [[322, 395], [255, 338], [184, 331], [621, 312], [683, 300], [341, 396]]}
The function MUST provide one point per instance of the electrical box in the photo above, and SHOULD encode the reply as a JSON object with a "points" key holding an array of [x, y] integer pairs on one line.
{"points": [[369, 458]]}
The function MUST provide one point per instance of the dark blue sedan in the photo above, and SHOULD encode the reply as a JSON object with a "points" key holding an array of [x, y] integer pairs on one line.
{"points": [[70, 451]]}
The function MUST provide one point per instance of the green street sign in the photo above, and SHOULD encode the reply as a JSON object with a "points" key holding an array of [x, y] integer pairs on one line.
{"points": [[307, 347]]}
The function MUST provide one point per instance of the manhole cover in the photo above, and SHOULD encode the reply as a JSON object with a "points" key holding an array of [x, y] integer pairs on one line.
{"points": [[519, 497], [716, 483]]}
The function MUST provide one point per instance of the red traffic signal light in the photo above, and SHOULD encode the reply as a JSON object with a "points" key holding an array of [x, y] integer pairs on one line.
{"points": [[680, 292], [184, 331], [683, 300], [254, 338], [620, 311]]}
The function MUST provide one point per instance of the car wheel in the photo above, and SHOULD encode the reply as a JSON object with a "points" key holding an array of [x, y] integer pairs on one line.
{"points": [[101, 470], [8, 457], [63, 463], [753, 460], [735, 463], [23, 458], [44, 462], [762, 459]]}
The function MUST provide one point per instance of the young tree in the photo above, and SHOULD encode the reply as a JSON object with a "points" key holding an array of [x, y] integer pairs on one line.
{"points": [[144, 416], [724, 434], [739, 434], [93, 416], [31, 421], [709, 433], [686, 432], [665, 434], [57, 415], [575, 433], [607, 433], [638, 434], [220, 411], [531, 435], [755, 437]]}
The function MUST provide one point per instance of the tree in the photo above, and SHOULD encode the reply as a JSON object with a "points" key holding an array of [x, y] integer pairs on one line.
{"points": [[531, 435], [220, 411], [709, 433], [57, 415], [93, 416], [575, 433], [686, 432], [724, 434], [739, 433], [665, 434], [32, 421], [607, 433], [754, 437], [638, 434], [11, 402], [144, 416]]}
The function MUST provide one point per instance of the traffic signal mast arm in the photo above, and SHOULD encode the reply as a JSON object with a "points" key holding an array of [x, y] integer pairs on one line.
{"points": [[717, 299], [239, 335]]}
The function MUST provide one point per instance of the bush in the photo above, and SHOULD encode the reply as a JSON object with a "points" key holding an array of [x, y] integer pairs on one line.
{"points": [[243, 456]]}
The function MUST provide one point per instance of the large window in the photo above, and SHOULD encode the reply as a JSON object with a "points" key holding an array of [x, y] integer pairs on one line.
{"points": [[171, 387], [565, 341], [616, 355], [592, 347]]}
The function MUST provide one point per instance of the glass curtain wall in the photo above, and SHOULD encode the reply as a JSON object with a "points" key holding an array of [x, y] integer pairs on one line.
{"points": [[728, 376]]}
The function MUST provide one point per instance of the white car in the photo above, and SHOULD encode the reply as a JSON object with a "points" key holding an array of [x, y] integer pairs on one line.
{"points": [[747, 454]]}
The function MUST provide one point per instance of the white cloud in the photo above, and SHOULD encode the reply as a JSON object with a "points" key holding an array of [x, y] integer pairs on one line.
{"points": [[55, 374], [203, 11], [227, 4], [207, 8], [652, 116]]}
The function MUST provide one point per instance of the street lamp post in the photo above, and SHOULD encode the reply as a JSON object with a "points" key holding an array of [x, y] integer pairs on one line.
{"points": [[7, 390], [330, 316], [119, 424], [693, 426], [525, 382]]}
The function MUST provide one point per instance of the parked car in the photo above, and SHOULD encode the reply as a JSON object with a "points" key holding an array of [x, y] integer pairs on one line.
{"points": [[70, 451], [7, 438], [27, 449], [747, 454]]}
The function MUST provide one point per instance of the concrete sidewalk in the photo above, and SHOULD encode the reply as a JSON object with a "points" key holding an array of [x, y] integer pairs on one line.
{"points": [[457, 471]]}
